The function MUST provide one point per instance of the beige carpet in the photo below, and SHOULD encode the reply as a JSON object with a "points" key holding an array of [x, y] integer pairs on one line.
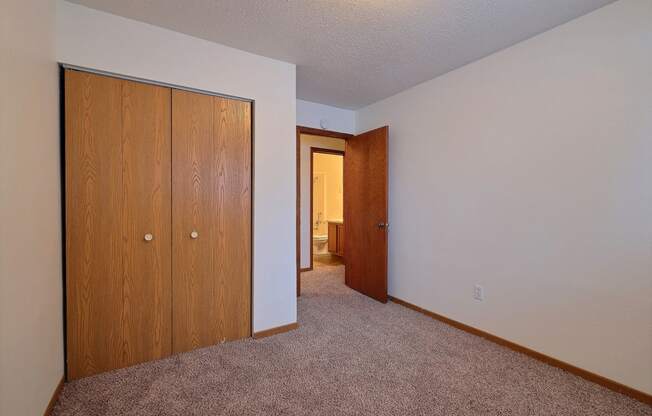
{"points": [[352, 356]]}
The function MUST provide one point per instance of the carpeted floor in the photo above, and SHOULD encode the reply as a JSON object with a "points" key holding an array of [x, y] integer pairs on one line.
{"points": [[353, 356]]}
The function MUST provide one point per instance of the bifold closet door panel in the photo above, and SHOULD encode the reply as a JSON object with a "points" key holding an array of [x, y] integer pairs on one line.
{"points": [[118, 179], [147, 211], [211, 219], [232, 132], [196, 322], [93, 167]]}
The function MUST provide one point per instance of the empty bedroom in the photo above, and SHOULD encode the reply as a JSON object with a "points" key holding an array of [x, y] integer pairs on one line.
{"points": [[328, 207]]}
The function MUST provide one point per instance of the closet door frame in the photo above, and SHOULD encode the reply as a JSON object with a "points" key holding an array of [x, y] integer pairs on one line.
{"points": [[62, 127]]}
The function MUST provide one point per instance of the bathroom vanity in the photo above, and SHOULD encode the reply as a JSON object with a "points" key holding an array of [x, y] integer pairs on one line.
{"points": [[336, 238]]}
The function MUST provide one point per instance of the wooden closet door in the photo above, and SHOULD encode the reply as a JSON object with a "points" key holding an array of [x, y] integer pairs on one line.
{"points": [[211, 219], [146, 210], [232, 153], [118, 180], [93, 153]]}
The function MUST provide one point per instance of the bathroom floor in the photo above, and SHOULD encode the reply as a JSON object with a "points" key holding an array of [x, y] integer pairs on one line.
{"points": [[320, 260]]}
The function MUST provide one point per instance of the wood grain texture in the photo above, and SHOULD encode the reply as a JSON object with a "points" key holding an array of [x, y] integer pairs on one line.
{"points": [[118, 181], [130, 300], [232, 156], [195, 319], [211, 165], [93, 171], [585, 374], [146, 176], [365, 206]]}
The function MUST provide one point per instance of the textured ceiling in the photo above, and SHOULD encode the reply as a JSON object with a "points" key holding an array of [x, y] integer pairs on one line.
{"points": [[350, 53]]}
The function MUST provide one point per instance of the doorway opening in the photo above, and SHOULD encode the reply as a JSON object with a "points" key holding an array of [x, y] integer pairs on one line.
{"points": [[317, 196], [342, 207]]}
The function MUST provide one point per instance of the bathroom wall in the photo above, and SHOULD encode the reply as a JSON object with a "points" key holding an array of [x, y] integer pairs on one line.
{"points": [[331, 168], [308, 141]]}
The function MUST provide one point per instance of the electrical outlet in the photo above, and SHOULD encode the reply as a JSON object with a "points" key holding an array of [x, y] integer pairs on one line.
{"points": [[478, 292]]}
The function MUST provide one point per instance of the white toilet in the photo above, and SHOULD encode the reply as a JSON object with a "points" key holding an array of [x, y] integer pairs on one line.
{"points": [[320, 244]]}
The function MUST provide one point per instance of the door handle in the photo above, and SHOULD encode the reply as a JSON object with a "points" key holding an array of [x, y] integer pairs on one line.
{"points": [[383, 225], [148, 237], [194, 234]]}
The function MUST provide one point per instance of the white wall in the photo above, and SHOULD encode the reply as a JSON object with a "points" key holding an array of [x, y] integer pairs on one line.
{"points": [[31, 310], [311, 114], [530, 172], [308, 141], [99, 40]]}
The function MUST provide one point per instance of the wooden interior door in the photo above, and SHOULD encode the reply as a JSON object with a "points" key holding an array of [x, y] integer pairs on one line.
{"points": [[365, 213], [211, 219], [117, 172]]}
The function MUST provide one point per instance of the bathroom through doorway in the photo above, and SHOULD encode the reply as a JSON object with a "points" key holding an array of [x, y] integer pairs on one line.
{"points": [[326, 207], [341, 206]]}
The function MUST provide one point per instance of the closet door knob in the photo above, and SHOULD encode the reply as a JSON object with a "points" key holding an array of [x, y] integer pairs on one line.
{"points": [[194, 234], [149, 237]]}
